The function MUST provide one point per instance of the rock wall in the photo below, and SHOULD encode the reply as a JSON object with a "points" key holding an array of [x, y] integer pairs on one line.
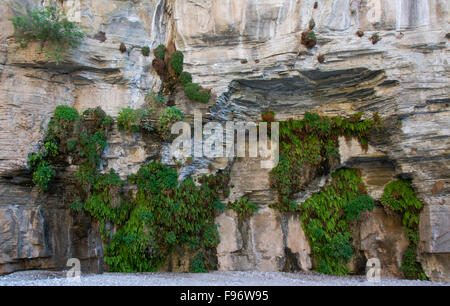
{"points": [[250, 54]]}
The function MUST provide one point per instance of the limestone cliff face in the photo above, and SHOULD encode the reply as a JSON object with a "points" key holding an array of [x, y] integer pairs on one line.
{"points": [[250, 54]]}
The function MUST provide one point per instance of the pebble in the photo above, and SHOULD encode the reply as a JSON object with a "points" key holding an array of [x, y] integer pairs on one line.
{"points": [[216, 278]]}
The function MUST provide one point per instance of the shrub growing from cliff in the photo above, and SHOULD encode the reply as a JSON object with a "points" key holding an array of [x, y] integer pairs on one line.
{"points": [[122, 48], [309, 39], [65, 113], [400, 197], [43, 175], [160, 52], [192, 90], [51, 27], [132, 120], [145, 51], [176, 62], [168, 116], [268, 116], [197, 93], [375, 38]]}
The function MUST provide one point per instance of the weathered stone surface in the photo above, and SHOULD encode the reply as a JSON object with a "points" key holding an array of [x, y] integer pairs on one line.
{"points": [[21, 234], [25, 108], [383, 237], [436, 266], [376, 168], [231, 240], [435, 228], [250, 180], [268, 239], [297, 242], [127, 152], [41, 232]]}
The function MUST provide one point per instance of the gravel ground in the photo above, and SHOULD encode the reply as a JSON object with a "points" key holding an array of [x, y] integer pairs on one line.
{"points": [[222, 278]]}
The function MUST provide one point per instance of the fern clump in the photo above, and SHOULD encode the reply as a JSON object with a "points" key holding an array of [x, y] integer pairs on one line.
{"points": [[308, 147], [51, 27], [354, 208], [105, 189], [168, 116], [400, 197], [165, 215], [197, 265], [243, 207], [43, 175], [325, 219], [70, 133]]}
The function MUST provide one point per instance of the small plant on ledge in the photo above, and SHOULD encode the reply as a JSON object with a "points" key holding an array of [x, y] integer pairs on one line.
{"points": [[176, 61], [375, 38], [160, 52], [197, 93], [51, 27], [145, 51], [321, 58], [243, 207], [123, 48], [131, 120], [158, 99], [168, 116], [268, 116], [309, 39]]}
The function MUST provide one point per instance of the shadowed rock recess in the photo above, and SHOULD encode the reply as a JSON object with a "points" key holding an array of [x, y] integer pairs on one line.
{"points": [[249, 55]]}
